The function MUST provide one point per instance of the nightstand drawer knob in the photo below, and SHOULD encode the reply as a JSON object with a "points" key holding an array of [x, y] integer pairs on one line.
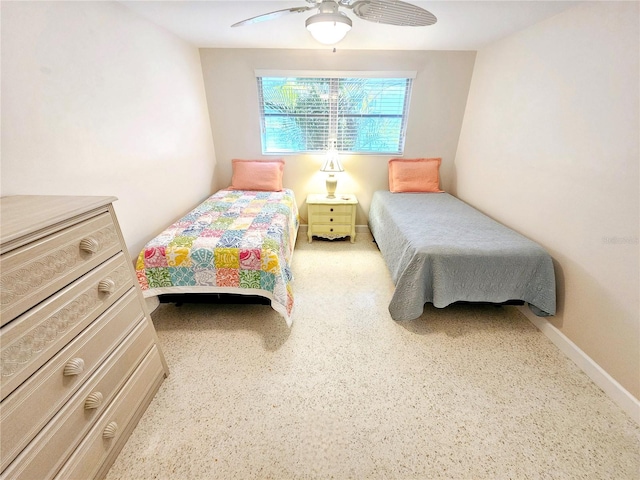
{"points": [[331, 229], [331, 219], [331, 209]]}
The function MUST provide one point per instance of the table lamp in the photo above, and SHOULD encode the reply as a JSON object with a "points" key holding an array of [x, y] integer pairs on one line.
{"points": [[332, 165]]}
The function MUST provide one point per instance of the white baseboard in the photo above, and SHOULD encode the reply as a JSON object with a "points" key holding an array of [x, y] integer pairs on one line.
{"points": [[595, 372]]}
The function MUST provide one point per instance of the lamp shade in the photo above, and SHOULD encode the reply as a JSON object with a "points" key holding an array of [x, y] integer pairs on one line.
{"points": [[328, 28], [332, 162]]}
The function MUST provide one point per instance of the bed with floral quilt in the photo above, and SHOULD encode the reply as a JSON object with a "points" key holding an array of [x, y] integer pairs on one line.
{"points": [[235, 242]]}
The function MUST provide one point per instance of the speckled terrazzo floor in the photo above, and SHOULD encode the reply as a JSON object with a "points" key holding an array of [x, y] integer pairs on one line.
{"points": [[466, 392]]}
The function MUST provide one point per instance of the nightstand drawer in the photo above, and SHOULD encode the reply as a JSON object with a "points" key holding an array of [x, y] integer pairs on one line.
{"points": [[332, 219], [320, 229], [33, 272], [331, 209]]}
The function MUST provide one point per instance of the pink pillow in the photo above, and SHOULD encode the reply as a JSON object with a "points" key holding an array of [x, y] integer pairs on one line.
{"points": [[414, 175], [263, 175]]}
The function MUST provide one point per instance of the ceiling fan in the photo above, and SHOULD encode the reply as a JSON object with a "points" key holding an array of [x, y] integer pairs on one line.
{"points": [[330, 25]]}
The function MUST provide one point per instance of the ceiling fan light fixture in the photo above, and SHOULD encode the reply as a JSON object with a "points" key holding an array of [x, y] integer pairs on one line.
{"points": [[328, 28]]}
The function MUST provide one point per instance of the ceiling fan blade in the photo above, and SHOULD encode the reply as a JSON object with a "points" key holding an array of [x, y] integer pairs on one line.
{"points": [[393, 12], [271, 15]]}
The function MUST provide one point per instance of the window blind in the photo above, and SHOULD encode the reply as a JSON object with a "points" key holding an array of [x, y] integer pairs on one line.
{"points": [[364, 115]]}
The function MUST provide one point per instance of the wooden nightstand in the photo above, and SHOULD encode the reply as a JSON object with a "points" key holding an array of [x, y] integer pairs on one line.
{"points": [[332, 217]]}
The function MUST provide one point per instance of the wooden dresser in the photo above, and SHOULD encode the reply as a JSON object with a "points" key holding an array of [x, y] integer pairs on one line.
{"points": [[80, 359]]}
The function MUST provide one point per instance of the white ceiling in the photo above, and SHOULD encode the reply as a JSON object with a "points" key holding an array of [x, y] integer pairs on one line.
{"points": [[462, 25]]}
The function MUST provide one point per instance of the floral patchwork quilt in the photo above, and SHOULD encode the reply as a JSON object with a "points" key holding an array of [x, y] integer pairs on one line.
{"points": [[236, 241]]}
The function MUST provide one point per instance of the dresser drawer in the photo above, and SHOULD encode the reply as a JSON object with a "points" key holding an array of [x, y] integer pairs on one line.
{"points": [[33, 272], [26, 411], [44, 456], [111, 431], [320, 229], [32, 339]]}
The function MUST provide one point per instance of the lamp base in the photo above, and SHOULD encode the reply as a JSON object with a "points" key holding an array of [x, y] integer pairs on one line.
{"points": [[332, 183]]}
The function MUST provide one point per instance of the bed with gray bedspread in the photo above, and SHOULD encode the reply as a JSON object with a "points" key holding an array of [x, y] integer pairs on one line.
{"points": [[440, 250]]}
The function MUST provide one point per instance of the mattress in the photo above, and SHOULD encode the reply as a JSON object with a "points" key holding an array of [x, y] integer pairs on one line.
{"points": [[440, 250], [236, 241]]}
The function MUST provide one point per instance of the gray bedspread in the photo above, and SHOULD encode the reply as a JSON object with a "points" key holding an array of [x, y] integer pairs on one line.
{"points": [[441, 250]]}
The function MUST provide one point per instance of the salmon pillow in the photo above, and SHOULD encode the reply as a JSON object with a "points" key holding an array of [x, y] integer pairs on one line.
{"points": [[264, 175], [414, 175]]}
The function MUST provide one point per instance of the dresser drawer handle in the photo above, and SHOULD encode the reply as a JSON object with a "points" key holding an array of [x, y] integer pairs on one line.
{"points": [[89, 245], [110, 430], [107, 286], [94, 400], [75, 366], [331, 229], [331, 219], [331, 209]]}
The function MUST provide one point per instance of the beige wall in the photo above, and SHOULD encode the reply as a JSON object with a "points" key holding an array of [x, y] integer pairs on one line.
{"points": [[437, 106], [97, 101], [549, 146]]}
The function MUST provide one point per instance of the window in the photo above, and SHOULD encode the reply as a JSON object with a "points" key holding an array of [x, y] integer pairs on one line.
{"points": [[364, 114]]}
